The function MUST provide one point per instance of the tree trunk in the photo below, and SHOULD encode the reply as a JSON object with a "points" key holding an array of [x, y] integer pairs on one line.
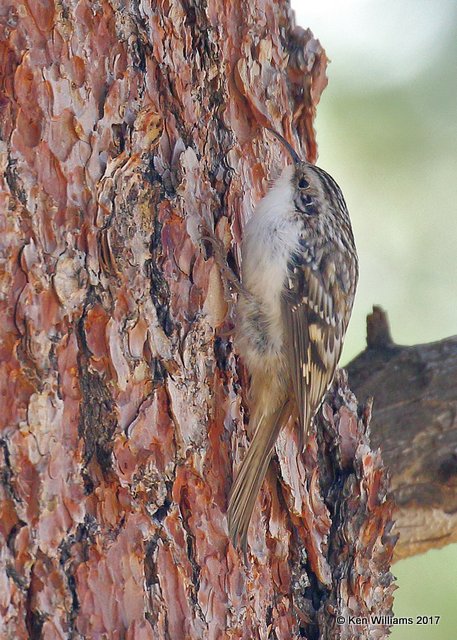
{"points": [[125, 127]]}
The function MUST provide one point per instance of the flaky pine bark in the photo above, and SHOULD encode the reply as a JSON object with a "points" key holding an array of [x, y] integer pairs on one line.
{"points": [[125, 127]]}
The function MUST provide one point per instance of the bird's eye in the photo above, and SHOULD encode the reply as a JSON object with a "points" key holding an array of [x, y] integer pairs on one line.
{"points": [[303, 184]]}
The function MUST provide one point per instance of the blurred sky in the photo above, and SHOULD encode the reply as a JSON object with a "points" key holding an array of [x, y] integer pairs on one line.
{"points": [[387, 131]]}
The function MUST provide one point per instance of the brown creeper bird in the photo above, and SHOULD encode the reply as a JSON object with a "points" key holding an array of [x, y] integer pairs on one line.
{"points": [[299, 275]]}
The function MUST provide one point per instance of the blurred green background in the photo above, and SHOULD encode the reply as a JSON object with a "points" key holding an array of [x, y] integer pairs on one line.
{"points": [[386, 129]]}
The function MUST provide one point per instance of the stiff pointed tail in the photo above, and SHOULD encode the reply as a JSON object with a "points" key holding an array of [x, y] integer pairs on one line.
{"points": [[251, 474]]}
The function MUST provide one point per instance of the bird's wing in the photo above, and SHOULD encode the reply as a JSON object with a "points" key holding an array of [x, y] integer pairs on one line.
{"points": [[316, 306]]}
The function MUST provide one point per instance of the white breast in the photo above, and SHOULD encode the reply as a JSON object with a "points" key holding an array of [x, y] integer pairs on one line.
{"points": [[270, 237]]}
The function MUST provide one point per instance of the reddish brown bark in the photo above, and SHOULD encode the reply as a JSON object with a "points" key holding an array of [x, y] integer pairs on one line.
{"points": [[124, 127]]}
